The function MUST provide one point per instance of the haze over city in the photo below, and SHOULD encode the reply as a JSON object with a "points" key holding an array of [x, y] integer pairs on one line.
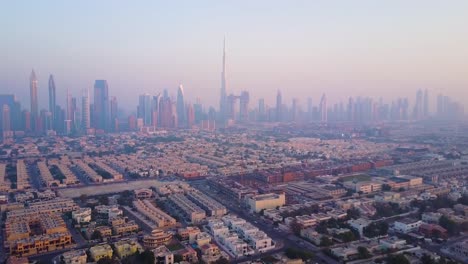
{"points": [[387, 50], [243, 132]]}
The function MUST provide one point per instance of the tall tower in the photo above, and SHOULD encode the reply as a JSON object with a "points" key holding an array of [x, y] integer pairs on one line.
{"points": [[279, 106], [144, 109], [181, 112], [244, 106], [222, 101], [6, 118], [426, 103], [85, 112], [52, 100], [34, 103], [114, 114], [101, 105], [323, 109]]}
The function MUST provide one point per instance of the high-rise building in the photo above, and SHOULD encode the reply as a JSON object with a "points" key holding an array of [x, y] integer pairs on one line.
{"points": [[261, 110], [323, 109], [350, 109], [181, 112], [244, 106], [33, 97], [85, 110], [310, 109], [6, 118], [168, 117], [419, 106], [15, 111], [144, 109], [155, 114], [426, 104], [279, 107], [101, 105], [223, 94], [190, 116], [114, 114], [69, 106], [52, 100]]}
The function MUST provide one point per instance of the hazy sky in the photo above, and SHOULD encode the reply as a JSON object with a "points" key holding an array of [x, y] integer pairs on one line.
{"points": [[304, 48]]}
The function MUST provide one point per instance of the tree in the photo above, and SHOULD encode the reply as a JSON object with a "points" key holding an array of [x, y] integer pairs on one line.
{"points": [[107, 260], [353, 213], [83, 198], [296, 227], [294, 253], [222, 260], [397, 259], [376, 229], [426, 259], [146, 257], [104, 200], [363, 253], [96, 235], [325, 241], [452, 227], [178, 258], [386, 187]]}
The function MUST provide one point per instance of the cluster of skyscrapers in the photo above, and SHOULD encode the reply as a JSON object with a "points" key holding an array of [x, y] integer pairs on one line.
{"points": [[162, 111]]}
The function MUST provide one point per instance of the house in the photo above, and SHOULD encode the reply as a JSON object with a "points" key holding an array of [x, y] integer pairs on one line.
{"points": [[359, 224], [407, 225], [433, 230]]}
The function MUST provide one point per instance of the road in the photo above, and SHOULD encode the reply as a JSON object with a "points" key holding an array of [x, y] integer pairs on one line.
{"points": [[280, 237]]}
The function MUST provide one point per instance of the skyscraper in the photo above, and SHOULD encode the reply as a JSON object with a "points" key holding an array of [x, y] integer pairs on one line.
{"points": [[6, 118], [34, 103], [85, 111], [181, 112], [419, 106], [426, 104], [114, 114], [310, 109], [279, 107], [244, 106], [323, 109], [155, 114], [52, 100], [101, 105], [144, 109], [223, 97]]}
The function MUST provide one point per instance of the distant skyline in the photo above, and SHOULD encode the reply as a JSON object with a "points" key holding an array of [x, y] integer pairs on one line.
{"points": [[303, 48]]}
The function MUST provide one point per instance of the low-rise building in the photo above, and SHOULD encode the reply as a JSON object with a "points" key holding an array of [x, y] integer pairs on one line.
{"points": [[125, 228], [82, 215], [75, 257], [127, 247], [163, 255], [101, 251], [156, 238], [359, 224], [407, 225], [266, 201]]}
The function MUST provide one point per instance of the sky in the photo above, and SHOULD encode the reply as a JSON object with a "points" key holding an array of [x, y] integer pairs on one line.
{"points": [[303, 48]]}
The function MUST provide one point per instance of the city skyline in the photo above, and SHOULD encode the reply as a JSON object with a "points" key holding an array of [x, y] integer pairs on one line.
{"points": [[298, 56]]}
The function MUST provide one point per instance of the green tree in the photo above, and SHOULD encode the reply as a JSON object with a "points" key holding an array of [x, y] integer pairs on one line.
{"points": [[222, 260], [353, 213], [296, 227], [386, 187], [397, 259], [325, 241], [107, 260], [178, 258], [363, 253], [452, 227]]}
